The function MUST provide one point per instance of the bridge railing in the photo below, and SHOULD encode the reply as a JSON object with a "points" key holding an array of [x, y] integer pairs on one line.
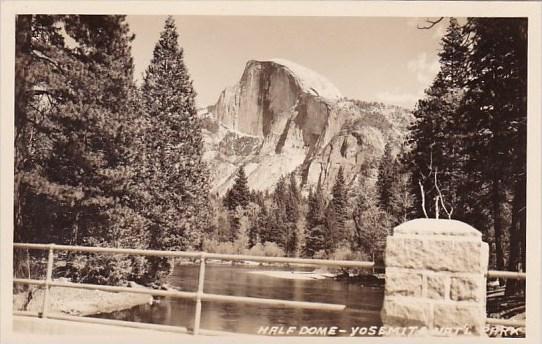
{"points": [[506, 275], [199, 295]]}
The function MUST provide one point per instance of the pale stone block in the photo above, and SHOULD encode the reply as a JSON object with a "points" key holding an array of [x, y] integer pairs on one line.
{"points": [[437, 227], [401, 311], [403, 283], [471, 316], [484, 253], [468, 288], [448, 260], [404, 252], [436, 286], [451, 255]]}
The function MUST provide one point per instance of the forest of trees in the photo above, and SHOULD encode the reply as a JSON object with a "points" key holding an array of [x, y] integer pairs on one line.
{"points": [[468, 145], [101, 161]]}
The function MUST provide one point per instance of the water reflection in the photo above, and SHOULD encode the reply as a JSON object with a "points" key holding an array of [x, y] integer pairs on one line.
{"points": [[241, 318]]}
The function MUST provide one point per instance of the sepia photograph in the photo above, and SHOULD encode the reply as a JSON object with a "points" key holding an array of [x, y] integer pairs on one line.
{"points": [[181, 175]]}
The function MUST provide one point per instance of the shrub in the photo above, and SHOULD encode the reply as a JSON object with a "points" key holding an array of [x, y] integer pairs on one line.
{"points": [[271, 249], [345, 253]]}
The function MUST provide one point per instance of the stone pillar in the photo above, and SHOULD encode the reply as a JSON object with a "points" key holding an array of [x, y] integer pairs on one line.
{"points": [[435, 278]]}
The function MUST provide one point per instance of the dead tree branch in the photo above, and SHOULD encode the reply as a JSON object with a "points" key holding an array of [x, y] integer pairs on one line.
{"points": [[423, 199], [430, 24], [448, 212]]}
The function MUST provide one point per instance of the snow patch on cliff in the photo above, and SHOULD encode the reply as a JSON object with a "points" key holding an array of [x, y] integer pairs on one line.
{"points": [[310, 81]]}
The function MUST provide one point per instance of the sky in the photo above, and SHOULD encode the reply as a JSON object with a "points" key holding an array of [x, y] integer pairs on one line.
{"points": [[367, 58]]}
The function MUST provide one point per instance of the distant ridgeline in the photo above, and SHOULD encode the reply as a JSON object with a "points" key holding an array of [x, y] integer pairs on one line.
{"points": [[282, 118]]}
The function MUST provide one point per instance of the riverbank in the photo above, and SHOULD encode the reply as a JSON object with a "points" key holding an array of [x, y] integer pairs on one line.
{"points": [[81, 302], [365, 280], [295, 275]]}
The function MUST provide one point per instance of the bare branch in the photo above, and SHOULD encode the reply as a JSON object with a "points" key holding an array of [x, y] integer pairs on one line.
{"points": [[448, 212], [436, 207], [38, 54], [430, 24], [423, 199]]}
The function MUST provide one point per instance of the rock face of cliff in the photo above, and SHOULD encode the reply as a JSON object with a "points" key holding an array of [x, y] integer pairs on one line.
{"points": [[282, 117]]}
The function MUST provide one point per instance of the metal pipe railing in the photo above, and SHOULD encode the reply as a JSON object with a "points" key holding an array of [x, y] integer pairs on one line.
{"points": [[208, 256], [506, 274], [505, 322], [199, 296]]}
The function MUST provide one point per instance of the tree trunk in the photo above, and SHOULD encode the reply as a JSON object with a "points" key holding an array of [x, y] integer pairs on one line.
{"points": [[522, 234], [23, 36], [514, 249], [497, 223], [516, 261]]}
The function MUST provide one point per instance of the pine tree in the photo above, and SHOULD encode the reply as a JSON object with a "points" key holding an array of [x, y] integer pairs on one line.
{"points": [[400, 203], [435, 138], [471, 131], [494, 122], [279, 226], [316, 230], [285, 214], [259, 226], [393, 187], [338, 210], [239, 195], [74, 113], [372, 224], [177, 178], [386, 174], [294, 200]]}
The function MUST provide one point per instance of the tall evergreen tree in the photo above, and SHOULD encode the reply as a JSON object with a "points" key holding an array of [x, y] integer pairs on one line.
{"points": [[239, 195], [282, 224], [494, 122], [260, 226], [75, 115], [471, 131], [294, 200], [316, 230], [437, 152], [338, 210], [177, 177], [372, 224], [400, 204], [393, 186], [386, 174]]}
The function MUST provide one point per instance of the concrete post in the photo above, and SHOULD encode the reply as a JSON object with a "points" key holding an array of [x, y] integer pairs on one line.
{"points": [[435, 278]]}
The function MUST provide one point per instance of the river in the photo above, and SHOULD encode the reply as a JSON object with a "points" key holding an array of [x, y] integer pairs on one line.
{"points": [[363, 303]]}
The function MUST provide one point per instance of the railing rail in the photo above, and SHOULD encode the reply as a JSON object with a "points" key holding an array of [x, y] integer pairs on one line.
{"points": [[198, 296], [195, 254], [506, 274]]}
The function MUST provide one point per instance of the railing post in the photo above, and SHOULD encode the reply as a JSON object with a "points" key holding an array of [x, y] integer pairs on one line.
{"points": [[199, 293], [48, 281]]}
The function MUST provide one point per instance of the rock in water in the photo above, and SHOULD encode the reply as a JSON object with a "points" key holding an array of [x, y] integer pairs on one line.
{"points": [[282, 117]]}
